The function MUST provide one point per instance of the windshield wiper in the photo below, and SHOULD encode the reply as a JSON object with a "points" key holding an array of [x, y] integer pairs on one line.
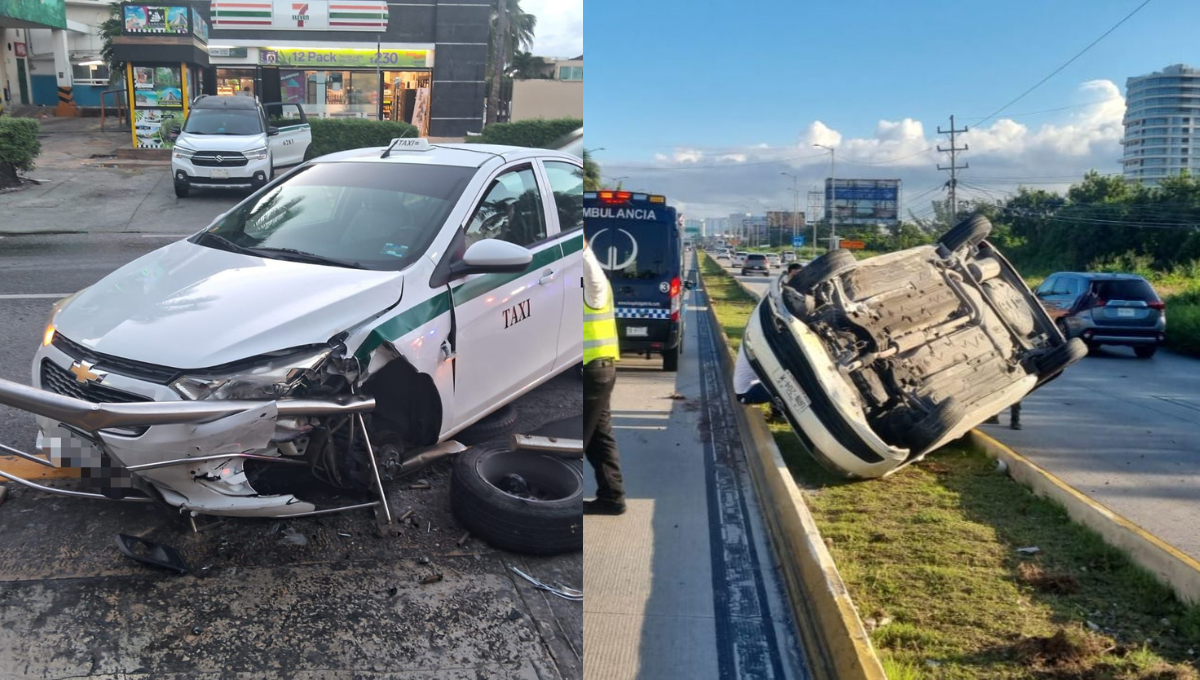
{"points": [[304, 256], [225, 243]]}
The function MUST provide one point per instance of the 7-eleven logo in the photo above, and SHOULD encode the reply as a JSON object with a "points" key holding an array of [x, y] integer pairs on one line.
{"points": [[300, 15]]}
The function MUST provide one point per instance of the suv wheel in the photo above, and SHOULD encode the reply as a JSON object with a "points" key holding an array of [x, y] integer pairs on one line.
{"points": [[1145, 351], [182, 189]]}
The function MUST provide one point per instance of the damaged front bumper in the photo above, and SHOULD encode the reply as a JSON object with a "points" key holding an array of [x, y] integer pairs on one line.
{"points": [[186, 453]]}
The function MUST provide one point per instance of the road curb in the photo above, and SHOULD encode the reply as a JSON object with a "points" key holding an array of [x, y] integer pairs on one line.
{"points": [[1171, 566], [828, 621]]}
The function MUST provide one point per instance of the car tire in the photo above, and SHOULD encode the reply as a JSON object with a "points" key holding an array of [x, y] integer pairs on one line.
{"points": [[493, 426], [182, 189], [1060, 357], [831, 264], [671, 358], [1062, 328], [971, 231], [1145, 351], [518, 522], [929, 429]]}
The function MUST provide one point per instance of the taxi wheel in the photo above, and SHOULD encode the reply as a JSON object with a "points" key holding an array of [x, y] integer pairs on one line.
{"points": [[495, 425], [523, 502], [181, 189]]}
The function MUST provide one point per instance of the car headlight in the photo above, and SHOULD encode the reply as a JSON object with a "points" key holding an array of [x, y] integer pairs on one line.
{"points": [[272, 378], [51, 329], [181, 151], [257, 154]]}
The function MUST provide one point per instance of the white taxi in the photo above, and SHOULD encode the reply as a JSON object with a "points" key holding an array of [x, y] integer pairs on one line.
{"points": [[349, 316]]}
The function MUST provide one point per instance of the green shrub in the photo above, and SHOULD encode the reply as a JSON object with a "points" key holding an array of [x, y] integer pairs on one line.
{"points": [[19, 146], [340, 134], [532, 133]]}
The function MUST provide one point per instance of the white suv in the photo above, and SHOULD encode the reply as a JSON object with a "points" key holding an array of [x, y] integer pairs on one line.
{"points": [[229, 142]]}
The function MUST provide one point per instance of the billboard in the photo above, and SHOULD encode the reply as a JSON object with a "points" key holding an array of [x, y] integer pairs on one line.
{"points": [[319, 15], [863, 201], [155, 19], [45, 13]]}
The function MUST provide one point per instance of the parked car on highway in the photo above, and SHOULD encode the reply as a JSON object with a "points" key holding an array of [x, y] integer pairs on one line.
{"points": [[1106, 309], [230, 142], [877, 362], [774, 260], [353, 318], [755, 263]]}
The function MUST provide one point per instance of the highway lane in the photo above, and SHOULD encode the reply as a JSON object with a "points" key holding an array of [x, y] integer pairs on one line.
{"points": [[1123, 430]]}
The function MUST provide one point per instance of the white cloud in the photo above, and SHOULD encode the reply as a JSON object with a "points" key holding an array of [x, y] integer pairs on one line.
{"points": [[716, 182], [559, 31]]}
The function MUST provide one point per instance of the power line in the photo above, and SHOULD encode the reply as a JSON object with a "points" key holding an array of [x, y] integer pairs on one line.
{"points": [[1066, 64]]}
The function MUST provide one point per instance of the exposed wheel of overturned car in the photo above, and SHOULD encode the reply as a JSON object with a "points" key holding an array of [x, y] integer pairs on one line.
{"points": [[519, 501], [929, 429], [1060, 357], [494, 425], [971, 231], [831, 264]]}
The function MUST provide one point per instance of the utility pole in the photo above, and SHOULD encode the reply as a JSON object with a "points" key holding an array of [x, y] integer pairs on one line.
{"points": [[832, 199], [813, 202], [795, 202], [954, 166]]}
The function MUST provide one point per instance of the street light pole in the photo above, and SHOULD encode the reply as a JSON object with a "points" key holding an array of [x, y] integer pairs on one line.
{"points": [[833, 243], [795, 204]]}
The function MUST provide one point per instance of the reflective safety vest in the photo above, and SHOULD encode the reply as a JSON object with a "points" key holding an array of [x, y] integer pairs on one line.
{"points": [[600, 332]]}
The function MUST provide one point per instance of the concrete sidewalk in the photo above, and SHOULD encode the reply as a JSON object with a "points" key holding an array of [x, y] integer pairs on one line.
{"points": [[81, 195], [683, 585]]}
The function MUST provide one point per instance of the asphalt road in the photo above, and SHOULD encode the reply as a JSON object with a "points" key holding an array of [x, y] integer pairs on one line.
{"points": [[1123, 430], [344, 603], [683, 585]]}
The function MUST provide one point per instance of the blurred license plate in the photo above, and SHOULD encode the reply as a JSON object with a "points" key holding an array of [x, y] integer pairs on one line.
{"points": [[637, 332], [790, 392], [220, 174], [1124, 311]]}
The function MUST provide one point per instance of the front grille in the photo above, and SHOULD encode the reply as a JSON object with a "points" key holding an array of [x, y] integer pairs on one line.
{"points": [[126, 367], [61, 381], [227, 159]]}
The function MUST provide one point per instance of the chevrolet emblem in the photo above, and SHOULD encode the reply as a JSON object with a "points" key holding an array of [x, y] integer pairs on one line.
{"points": [[83, 372]]}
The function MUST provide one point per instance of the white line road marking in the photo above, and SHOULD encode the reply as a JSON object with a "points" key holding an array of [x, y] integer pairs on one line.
{"points": [[35, 296], [177, 236]]}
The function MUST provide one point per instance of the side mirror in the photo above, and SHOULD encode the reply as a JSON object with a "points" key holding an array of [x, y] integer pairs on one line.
{"points": [[492, 256], [175, 131], [272, 130]]}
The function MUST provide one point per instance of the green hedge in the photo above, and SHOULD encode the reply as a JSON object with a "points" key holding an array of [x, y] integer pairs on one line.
{"points": [[19, 145], [532, 133], [340, 134]]}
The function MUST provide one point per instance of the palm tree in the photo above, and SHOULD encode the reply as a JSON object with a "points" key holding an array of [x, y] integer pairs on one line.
{"points": [[511, 29], [108, 30], [591, 173], [525, 66]]}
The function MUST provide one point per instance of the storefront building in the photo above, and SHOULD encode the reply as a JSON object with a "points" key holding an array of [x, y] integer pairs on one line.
{"points": [[420, 61]]}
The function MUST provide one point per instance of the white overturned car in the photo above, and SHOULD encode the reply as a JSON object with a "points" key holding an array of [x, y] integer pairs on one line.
{"points": [[350, 318], [880, 361]]}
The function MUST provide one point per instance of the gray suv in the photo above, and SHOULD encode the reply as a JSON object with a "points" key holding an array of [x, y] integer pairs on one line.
{"points": [[1106, 309], [756, 263]]}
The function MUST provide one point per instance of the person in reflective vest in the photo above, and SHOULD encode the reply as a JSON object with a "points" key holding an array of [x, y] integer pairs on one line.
{"points": [[601, 353]]}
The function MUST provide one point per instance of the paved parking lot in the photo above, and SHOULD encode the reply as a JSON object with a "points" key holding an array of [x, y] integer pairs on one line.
{"points": [[315, 597]]}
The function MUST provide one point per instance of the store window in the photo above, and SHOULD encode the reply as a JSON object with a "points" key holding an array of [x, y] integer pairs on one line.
{"points": [[355, 94], [90, 74], [235, 82]]}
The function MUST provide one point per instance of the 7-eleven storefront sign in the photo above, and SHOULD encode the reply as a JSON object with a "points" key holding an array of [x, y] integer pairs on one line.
{"points": [[323, 15]]}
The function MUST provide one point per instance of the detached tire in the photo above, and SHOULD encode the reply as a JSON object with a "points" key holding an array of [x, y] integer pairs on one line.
{"points": [[831, 264], [929, 429], [543, 517], [495, 425], [1054, 361], [971, 231]]}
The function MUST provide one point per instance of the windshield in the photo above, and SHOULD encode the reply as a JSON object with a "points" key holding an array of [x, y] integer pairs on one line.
{"points": [[224, 122], [635, 250], [366, 215]]}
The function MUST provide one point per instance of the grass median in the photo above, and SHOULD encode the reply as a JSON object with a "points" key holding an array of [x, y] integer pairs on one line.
{"points": [[932, 559]]}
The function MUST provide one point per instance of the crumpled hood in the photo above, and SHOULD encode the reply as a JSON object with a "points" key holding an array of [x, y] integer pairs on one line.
{"points": [[222, 142], [189, 306]]}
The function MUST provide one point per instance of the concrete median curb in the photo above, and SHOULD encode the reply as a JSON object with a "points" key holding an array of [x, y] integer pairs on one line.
{"points": [[829, 624], [1171, 566]]}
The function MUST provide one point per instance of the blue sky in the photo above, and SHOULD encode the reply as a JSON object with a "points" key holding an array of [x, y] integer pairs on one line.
{"points": [[710, 101]]}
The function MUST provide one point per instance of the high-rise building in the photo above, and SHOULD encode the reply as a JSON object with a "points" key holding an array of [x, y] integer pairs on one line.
{"points": [[1162, 110]]}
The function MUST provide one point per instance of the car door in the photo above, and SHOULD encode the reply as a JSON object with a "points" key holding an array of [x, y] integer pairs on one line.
{"points": [[294, 134], [565, 181], [1051, 293], [507, 324]]}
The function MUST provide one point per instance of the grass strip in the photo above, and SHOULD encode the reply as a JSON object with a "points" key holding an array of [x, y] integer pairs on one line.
{"points": [[931, 558]]}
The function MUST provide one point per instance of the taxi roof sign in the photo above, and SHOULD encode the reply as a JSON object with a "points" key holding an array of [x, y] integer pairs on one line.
{"points": [[407, 144]]}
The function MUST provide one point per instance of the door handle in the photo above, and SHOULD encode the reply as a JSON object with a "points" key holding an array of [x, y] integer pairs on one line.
{"points": [[547, 277]]}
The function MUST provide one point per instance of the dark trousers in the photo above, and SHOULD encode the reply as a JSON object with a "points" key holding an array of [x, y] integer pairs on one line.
{"points": [[599, 376]]}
